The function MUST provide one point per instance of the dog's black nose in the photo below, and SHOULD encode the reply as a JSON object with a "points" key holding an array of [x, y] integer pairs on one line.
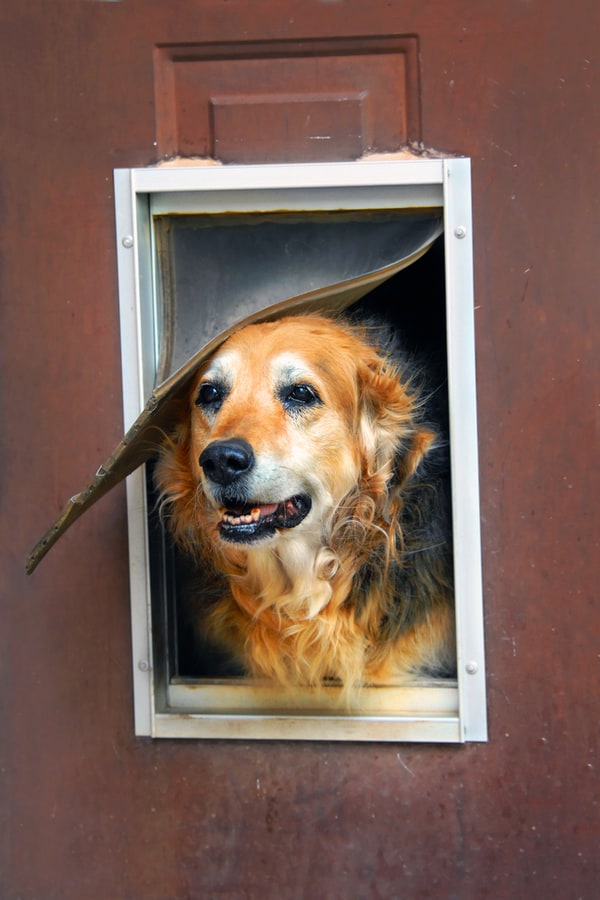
{"points": [[224, 461]]}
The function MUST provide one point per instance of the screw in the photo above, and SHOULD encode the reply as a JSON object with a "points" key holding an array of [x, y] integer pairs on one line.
{"points": [[127, 241], [144, 665], [460, 231], [472, 668]]}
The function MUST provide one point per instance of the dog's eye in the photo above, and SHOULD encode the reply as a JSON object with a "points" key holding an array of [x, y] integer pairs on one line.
{"points": [[300, 395], [209, 395]]}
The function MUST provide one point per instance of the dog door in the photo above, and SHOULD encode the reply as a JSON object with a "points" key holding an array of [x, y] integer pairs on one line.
{"points": [[204, 248]]}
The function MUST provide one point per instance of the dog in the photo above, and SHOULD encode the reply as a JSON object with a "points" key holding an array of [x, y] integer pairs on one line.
{"points": [[305, 481]]}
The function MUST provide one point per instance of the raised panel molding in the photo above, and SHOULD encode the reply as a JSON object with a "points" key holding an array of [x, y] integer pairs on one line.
{"points": [[289, 101]]}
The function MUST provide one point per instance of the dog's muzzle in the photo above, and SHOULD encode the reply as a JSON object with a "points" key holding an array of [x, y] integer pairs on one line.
{"points": [[227, 465]]}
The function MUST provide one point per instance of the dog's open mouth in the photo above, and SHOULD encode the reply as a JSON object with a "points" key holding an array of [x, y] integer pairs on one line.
{"points": [[248, 522]]}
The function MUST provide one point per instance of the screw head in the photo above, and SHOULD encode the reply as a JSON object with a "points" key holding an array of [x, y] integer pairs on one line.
{"points": [[472, 668], [144, 665], [460, 231], [127, 241]]}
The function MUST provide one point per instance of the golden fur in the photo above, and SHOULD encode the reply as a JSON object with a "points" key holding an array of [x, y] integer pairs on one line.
{"points": [[359, 590]]}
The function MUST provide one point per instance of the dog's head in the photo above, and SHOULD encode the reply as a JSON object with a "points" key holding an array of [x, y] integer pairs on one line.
{"points": [[285, 421]]}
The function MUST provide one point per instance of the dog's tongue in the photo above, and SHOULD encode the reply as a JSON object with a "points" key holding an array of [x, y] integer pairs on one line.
{"points": [[265, 509]]}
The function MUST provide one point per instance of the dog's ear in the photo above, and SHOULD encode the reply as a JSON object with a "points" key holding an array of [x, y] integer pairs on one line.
{"points": [[392, 438]]}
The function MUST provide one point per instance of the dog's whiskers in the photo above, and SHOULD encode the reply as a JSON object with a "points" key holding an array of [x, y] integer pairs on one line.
{"points": [[426, 549]]}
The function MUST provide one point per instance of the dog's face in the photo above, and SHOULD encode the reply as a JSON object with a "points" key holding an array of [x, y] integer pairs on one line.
{"points": [[286, 418], [273, 416]]}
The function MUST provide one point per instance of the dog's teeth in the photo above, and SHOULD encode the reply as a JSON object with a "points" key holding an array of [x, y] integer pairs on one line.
{"points": [[244, 519]]}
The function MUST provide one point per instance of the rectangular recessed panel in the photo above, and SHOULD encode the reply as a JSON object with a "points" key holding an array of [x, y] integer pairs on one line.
{"points": [[287, 102]]}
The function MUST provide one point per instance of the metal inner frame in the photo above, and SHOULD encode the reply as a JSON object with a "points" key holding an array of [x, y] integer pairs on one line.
{"points": [[246, 708]]}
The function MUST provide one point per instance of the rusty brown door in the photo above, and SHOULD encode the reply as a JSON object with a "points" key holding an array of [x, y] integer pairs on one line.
{"points": [[88, 811]]}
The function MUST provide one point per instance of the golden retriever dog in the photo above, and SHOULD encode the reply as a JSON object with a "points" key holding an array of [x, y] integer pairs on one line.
{"points": [[299, 480]]}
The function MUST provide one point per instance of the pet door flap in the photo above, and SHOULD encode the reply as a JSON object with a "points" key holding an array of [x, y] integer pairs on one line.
{"points": [[320, 263]]}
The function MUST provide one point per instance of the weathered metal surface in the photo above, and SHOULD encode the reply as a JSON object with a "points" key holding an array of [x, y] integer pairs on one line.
{"points": [[88, 810]]}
